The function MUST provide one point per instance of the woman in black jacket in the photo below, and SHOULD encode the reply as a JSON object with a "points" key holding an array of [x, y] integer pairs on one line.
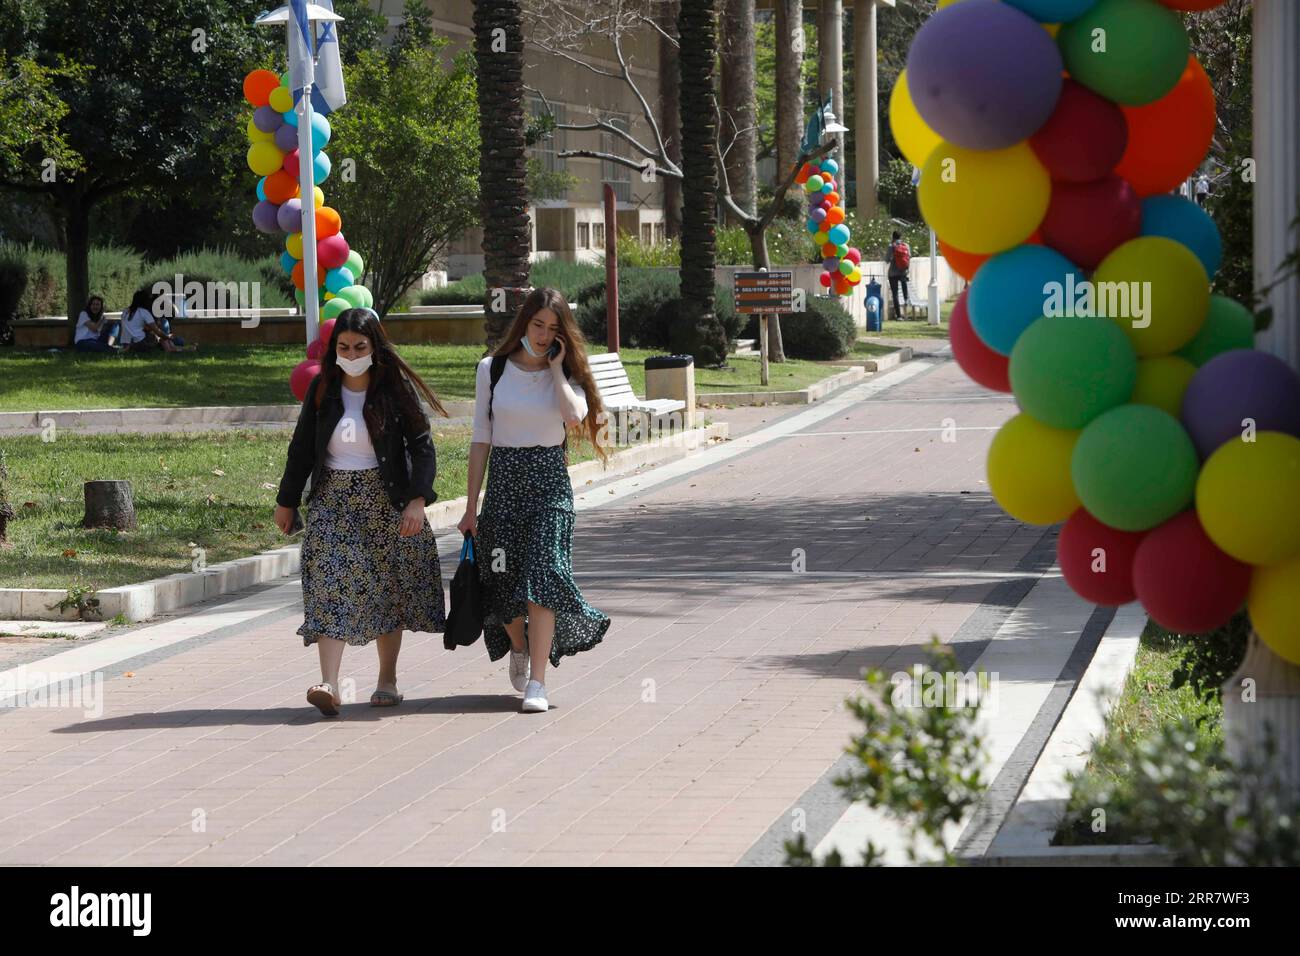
{"points": [[369, 559]]}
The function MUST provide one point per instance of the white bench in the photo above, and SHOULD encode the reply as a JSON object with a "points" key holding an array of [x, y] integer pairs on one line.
{"points": [[616, 391]]}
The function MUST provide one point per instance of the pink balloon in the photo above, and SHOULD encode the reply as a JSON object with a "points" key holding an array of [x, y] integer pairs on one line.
{"points": [[301, 377], [332, 251], [325, 332], [315, 350], [853, 255], [290, 164]]}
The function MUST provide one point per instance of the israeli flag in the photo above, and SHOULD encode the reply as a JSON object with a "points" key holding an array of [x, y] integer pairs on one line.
{"points": [[302, 64], [329, 66], [314, 55]]}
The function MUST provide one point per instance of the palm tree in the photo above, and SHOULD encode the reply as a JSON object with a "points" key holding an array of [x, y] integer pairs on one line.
{"points": [[698, 329], [503, 166]]}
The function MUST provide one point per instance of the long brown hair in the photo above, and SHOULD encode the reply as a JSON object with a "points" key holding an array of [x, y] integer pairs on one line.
{"points": [[575, 355], [391, 395]]}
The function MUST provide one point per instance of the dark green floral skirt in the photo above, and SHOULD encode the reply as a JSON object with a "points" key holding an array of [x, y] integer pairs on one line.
{"points": [[360, 577], [523, 546]]}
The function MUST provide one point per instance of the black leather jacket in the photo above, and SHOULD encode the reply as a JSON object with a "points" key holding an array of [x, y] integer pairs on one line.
{"points": [[407, 461]]}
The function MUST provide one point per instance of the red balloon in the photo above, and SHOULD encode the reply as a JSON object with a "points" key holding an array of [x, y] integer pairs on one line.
{"points": [[976, 359], [854, 256], [301, 377], [1184, 581], [1086, 221], [1168, 139], [315, 350], [1191, 5], [1084, 137], [1097, 560], [332, 251], [290, 164], [325, 331], [825, 280]]}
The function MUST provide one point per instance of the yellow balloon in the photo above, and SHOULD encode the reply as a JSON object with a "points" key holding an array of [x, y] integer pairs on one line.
{"points": [[280, 100], [1274, 607], [820, 237], [264, 158], [916, 140], [329, 295], [294, 244], [854, 276], [984, 201], [319, 195], [1247, 497], [1157, 290], [1029, 471], [1161, 382], [255, 135]]}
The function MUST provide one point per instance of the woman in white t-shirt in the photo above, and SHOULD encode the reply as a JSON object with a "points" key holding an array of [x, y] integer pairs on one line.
{"points": [[532, 606], [92, 328]]}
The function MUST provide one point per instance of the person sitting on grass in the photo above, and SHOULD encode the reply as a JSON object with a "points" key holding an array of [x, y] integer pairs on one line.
{"points": [[141, 332], [94, 330]]}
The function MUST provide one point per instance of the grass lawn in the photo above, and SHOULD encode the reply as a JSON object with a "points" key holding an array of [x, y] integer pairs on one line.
{"points": [[916, 330], [259, 375], [215, 491], [871, 349]]}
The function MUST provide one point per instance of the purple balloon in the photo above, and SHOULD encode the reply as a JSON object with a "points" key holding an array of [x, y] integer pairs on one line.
{"points": [[286, 138], [265, 216], [289, 217], [267, 119], [831, 264], [818, 214], [984, 75], [1236, 385]]}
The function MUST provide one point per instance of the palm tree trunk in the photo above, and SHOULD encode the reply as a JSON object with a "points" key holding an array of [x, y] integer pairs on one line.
{"points": [[670, 120], [789, 84], [739, 111], [499, 50], [697, 328]]}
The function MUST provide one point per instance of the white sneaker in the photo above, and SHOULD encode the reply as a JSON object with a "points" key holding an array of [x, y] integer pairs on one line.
{"points": [[535, 701], [519, 668]]}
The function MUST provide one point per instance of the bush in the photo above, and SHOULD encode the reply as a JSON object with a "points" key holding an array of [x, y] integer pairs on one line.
{"points": [[648, 302], [570, 278], [825, 331], [13, 282]]}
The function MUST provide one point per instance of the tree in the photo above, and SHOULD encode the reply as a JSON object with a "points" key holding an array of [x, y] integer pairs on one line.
{"points": [[147, 96], [697, 30], [670, 113], [739, 122], [503, 169], [411, 126], [783, 85]]}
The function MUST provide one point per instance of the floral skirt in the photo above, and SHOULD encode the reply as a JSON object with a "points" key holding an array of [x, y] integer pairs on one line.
{"points": [[523, 547], [360, 578]]}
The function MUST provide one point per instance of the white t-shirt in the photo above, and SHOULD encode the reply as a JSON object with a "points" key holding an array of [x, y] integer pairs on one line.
{"points": [[83, 327], [133, 323], [350, 448], [525, 408]]}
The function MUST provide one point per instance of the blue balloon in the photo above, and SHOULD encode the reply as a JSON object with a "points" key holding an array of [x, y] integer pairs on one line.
{"points": [[320, 168], [838, 234], [813, 226], [287, 262], [336, 280], [320, 132], [1010, 291], [1053, 11], [1183, 221], [261, 189], [829, 166], [290, 117]]}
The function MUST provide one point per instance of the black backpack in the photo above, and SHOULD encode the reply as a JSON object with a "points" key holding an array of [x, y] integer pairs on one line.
{"points": [[495, 371]]}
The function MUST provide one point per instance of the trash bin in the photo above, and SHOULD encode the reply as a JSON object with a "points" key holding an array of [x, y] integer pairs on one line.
{"points": [[874, 305], [673, 376]]}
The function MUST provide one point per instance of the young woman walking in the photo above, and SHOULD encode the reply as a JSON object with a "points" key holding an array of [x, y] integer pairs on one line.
{"points": [[532, 606], [369, 560]]}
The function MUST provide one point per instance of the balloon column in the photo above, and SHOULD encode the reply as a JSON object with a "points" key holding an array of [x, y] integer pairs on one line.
{"points": [[826, 223], [273, 155], [1051, 135]]}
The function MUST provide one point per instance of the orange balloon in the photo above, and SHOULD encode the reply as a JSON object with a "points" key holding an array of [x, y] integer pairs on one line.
{"points": [[280, 187], [829, 249], [835, 215], [966, 264], [833, 196], [1168, 139], [328, 222], [298, 275], [258, 86]]}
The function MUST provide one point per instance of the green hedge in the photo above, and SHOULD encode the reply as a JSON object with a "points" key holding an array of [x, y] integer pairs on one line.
{"points": [[569, 277], [825, 331], [645, 298]]}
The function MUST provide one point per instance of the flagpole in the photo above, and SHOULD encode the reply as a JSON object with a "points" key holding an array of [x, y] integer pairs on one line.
{"points": [[307, 195]]}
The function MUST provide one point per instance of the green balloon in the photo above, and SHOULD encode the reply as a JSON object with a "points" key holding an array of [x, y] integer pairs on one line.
{"points": [[355, 264], [1129, 51], [300, 296], [354, 295], [1228, 325], [1067, 371], [334, 308], [1134, 467]]}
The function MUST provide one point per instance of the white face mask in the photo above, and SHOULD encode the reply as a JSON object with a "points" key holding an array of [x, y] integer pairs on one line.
{"points": [[355, 366]]}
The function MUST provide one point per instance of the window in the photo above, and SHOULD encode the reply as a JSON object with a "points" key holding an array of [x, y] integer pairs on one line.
{"points": [[598, 234], [659, 232], [584, 236], [647, 233], [617, 175], [545, 150]]}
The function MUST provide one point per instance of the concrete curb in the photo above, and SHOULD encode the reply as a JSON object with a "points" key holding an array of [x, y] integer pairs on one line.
{"points": [[152, 417], [804, 396], [1025, 835], [139, 602]]}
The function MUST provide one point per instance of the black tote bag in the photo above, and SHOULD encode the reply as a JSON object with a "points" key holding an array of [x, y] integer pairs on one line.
{"points": [[465, 622]]}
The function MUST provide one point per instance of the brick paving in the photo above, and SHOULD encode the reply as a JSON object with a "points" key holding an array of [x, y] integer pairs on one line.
{"points": [[713, 704]]}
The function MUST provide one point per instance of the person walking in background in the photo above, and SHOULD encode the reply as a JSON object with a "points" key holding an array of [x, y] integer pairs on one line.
{"points": [[94, 330], [1202, 189], [370, 565], [899, 257], [528, 393]]}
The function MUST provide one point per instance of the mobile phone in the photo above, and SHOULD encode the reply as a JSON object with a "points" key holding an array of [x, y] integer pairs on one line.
{"points": [[297, 525], [554, 350]]}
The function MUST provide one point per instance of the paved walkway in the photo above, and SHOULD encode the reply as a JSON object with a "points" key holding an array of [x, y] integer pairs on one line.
{"points": [[749, 586]]}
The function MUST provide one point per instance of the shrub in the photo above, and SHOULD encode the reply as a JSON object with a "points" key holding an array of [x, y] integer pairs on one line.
{"points": [[570, 278], [646, 311], [13, 282], [825, 331]]}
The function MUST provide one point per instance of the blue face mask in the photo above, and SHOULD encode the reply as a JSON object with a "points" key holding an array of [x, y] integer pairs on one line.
{"points": [[528, 347]]}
